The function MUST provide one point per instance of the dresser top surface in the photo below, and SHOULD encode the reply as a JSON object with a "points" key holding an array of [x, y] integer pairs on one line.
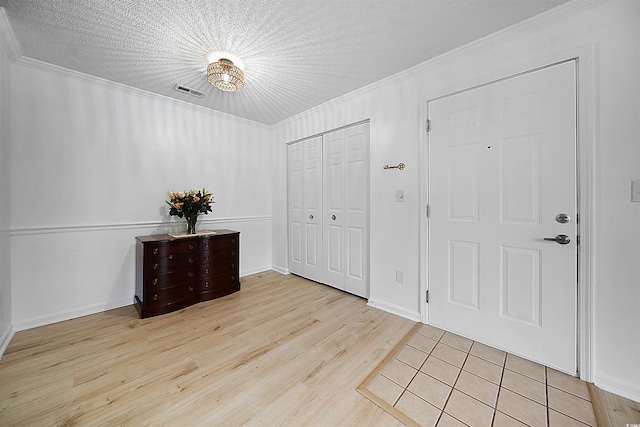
{"points": [[167, 237]]}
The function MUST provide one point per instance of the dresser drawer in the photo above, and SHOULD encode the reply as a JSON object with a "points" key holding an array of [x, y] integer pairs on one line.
{"points": [[170, 295], [218, 268], [155, 280], [218, 255], [218, 286], [172, 262], [208, 243], [220, 281], [165, 249]]}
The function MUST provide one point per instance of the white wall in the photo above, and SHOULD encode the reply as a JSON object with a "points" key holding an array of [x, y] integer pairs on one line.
{"points": [[91, 162], [611, 29], [6, 329]]}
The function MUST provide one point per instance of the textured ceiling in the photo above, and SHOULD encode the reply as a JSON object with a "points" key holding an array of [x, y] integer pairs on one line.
{"points": [[297, 54]]}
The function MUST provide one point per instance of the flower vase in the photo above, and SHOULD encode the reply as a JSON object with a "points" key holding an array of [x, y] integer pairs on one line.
{"points": [[191, 224]]}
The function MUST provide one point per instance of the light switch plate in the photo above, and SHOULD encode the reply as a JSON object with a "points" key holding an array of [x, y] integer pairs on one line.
{"points": [[635, 191]]}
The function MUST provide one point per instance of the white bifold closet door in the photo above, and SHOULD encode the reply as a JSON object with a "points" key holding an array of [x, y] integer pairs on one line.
{"points": [[305, 203], [329, 210]]}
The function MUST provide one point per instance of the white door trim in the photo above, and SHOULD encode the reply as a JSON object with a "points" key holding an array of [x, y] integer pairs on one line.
{"points": [[587, 97]]}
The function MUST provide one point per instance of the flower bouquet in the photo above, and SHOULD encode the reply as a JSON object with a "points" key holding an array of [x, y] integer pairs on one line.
{"points": [[190, 204]]}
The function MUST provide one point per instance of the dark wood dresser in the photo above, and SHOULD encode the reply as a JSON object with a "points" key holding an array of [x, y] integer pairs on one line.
{"points": [[175, 272]]}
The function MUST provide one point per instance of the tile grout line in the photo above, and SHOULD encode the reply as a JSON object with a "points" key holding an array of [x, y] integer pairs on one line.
{"points": [[453, 387]]}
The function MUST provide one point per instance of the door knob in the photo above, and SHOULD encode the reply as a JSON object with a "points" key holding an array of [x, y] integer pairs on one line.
{"points": [[333, 217], [561, 239], [310, 216]]}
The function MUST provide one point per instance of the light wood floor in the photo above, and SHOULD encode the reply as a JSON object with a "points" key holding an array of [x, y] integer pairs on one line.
{"points": [[283, 350]]}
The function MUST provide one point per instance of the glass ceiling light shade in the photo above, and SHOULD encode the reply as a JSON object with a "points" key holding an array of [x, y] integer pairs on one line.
{"points": [[225, 76]]}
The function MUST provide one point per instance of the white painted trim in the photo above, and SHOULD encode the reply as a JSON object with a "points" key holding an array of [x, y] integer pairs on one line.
{"points": [[67, 72], [280, 269], [394, 309], [5, 339], [255, 270], [535, 23], [8, 38], [617, 386], [123, 226], [60, 316], [588, 121]]}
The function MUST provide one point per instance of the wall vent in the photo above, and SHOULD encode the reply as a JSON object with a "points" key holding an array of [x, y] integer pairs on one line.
{"points": [[188, 90]]}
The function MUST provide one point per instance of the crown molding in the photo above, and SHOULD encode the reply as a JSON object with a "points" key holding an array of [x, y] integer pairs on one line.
{"points": [[8, 38], [531, 25], [66, 72]]}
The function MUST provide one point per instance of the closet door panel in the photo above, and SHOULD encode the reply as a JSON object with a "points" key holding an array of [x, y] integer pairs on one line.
{"points": [[295, 200], [312, 254], [356, 214], [334, 200]]}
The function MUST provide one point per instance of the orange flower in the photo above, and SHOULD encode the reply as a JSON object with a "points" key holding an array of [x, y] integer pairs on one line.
{"points": [[196, 198], [178, 205]]}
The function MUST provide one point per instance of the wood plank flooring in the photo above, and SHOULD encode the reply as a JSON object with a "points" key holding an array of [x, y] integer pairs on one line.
{"points": [[282, 351]]}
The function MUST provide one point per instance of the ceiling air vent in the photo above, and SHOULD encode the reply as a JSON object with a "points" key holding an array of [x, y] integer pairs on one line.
{"points": [[188, 90]]}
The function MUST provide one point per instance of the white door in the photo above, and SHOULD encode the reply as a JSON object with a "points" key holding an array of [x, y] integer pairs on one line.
{"points": [[305, 208], [346, 202], [502, 171], [295, 207]]}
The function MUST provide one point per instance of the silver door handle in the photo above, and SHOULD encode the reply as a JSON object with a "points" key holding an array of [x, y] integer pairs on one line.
{"points": [[333, 217], [561, 239], [310, 216]]}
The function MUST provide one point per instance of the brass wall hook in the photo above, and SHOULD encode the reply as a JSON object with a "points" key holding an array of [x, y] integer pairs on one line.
{"points": [[398, 166]]}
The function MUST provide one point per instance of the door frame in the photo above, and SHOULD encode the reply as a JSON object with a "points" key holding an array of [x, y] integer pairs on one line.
{"points": [[586, 132]]}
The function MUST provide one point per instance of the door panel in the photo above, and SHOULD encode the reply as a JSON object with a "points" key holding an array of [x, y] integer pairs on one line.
{"points": [[502, 166], [346, 205], [312, 257], [295, 207]]}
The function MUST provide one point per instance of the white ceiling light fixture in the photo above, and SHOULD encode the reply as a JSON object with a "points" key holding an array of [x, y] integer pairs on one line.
{"points": [[224, 75]]}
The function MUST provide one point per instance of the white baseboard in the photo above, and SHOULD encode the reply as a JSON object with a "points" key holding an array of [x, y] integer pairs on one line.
{"points": [[394, 309], [618, 386], [5, 338], [256, 270], [281, 270], [60, 316]]}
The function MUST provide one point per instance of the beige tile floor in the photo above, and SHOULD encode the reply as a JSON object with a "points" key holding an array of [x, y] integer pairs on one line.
{"points": [[439, 378]]}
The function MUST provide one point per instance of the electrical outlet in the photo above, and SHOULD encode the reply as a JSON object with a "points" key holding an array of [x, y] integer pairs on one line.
{"points": [[635, 191], [399, 276]]}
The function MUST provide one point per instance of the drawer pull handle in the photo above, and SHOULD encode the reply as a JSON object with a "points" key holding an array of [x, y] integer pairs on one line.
{"points": [[155, 266], [190, 288], [206, 245], [155, 281], [233, 266], [155, 251], [155, 297], [206, 284], [206, 271], [190, 261], [190, 274], [190, 246]]}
